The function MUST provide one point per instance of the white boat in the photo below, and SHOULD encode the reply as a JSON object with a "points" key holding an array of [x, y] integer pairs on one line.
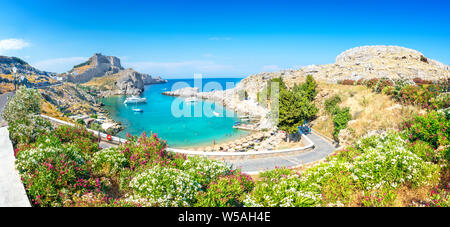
{"points": [[137, 110], [134, 99], [191, 99]]}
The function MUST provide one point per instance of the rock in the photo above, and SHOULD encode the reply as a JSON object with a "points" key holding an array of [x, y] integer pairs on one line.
{"points": [[129, 82], [97, 66]]}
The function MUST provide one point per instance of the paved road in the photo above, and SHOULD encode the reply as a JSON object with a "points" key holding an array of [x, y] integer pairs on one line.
{"points": [[12, 192], [321, 150], [3, 99]]}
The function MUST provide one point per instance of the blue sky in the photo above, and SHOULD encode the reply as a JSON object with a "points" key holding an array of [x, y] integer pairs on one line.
{"points": [[229, 38]]}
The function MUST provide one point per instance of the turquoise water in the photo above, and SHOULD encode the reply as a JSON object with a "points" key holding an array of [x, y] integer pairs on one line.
{"points": [[179, 131]]}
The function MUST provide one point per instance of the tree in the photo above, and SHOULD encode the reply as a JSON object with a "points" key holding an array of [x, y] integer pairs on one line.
{"points": [[309, 87], [294, 108]]}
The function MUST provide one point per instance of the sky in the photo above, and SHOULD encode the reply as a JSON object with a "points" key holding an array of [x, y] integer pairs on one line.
{"points": [[175, 39]]}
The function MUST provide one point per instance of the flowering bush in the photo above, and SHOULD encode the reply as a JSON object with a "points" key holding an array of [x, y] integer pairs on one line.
{"points": [[432, 128], [79, 136], [161, 186], [382, 83], [283, 191], [26, 101], [27, 129], [68, 133], [379, 198], [108, 161], [389, 164], [52, 175], [227, 191], [144, 152], [335, 180], [440, 197], [429, 97], [204, 170]]}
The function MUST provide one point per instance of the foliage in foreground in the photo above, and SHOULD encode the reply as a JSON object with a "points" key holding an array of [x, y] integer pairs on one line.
{"points": [[66, 167]]}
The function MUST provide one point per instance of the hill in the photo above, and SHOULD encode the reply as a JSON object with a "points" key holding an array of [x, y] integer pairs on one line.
{"points": [[26, 74]]}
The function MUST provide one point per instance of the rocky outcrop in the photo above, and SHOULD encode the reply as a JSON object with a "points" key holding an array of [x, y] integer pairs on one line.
{"points": [[152, 80], [368, 62], [127, 81]]}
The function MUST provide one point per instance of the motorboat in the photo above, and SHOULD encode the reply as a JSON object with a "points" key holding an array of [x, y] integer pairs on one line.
{"points": [[138, 110], [135, 99]]}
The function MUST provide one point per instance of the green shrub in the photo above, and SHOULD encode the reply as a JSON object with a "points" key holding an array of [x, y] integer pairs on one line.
{"points": [[331, 104], [108, 161], [80, 122], [227, 191], [425, 151], [340, 120]]}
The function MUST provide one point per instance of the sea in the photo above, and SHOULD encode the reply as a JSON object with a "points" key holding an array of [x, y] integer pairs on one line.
{"points": [[182, 124]]}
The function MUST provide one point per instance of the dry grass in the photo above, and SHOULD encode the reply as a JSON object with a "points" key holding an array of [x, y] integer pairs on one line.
{"points": [[6, 87], [51, 111], [369, 110], [288, 145], [106, 82], [82, 69]]}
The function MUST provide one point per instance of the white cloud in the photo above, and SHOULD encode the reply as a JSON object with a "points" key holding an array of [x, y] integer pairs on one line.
{"points": [[178, 68], [59, 65], [271, 68], [13, 44], [216, 38]]}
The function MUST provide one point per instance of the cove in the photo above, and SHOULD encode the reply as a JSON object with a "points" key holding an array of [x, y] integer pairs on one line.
{"points": [[179, 132]]}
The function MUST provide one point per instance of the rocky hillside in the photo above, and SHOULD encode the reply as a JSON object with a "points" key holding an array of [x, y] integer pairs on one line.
{"points": [[358, 63], [26, 74], [107, 72]]}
